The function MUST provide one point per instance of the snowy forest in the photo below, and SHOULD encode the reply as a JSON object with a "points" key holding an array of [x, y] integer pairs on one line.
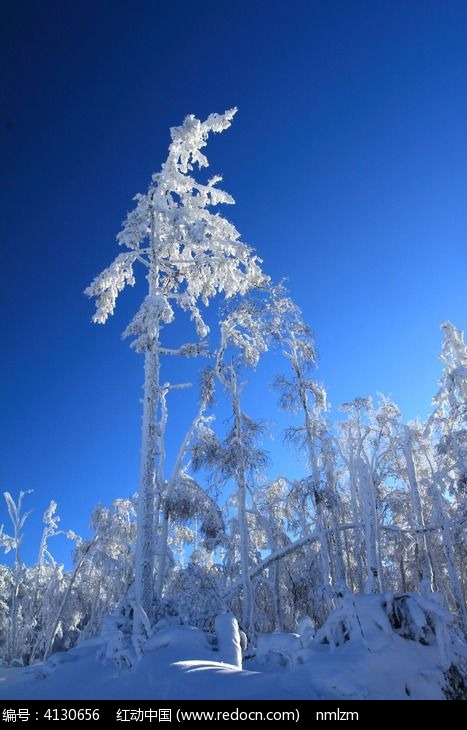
{"points": [[368, 546]]}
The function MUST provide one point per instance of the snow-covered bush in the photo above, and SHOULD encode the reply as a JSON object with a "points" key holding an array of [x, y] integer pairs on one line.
{"points": [[367, 619], [195, 596]]}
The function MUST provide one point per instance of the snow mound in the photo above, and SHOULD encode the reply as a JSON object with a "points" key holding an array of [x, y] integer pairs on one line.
{"points": [[381, 646]]}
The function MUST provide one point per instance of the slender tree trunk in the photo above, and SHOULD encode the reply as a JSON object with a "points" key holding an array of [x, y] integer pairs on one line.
{"points": [[356, 518], [351, 578], [144, 558], [370, 522], [164, 531], [13, 623], [162, 553], [13, 632], [50, 642], [275, 582], [146, 522], [277, 597], [402, 569], [449, 555], [324, 552], [425, 572], [248, 607], [339, 565]]}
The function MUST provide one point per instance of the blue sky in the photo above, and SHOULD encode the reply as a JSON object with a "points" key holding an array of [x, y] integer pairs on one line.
{"points": [[348, 162]]}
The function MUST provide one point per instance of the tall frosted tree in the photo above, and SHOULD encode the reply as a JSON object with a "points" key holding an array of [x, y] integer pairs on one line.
{"points": [[190, 254], [449, 419], [300, 394], [248, 329], [448, 425]]}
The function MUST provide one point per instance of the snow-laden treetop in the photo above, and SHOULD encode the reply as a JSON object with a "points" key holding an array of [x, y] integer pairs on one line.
{"points": [[191, 253]]}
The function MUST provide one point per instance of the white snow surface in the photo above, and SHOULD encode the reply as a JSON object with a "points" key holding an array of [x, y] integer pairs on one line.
{"points": [[181, 662]]}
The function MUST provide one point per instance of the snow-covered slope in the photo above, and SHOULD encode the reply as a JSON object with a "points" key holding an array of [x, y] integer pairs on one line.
{"points": [[179, 663]]}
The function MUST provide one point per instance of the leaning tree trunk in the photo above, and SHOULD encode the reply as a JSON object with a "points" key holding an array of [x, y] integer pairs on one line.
{"points": [[66, 596]]}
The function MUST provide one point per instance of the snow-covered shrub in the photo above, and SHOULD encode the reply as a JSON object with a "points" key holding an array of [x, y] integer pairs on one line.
{"points": [[369, 619], [279, 648], [122, 646], [195, 595], [455, 687]]}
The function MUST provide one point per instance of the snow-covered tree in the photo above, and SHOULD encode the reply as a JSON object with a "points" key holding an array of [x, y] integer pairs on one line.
{"points": [[447, 486], [190, 254], [247, 330], [270, 502], [362, 449], [29, 595], [18, 518], [449, 419], [299, 393]]}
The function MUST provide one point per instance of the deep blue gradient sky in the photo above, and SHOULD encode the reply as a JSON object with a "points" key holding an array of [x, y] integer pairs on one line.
{"points": [[348, 162]]}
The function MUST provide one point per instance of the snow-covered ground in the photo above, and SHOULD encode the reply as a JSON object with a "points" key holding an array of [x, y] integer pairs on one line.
{"points": [[181, 662]]}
